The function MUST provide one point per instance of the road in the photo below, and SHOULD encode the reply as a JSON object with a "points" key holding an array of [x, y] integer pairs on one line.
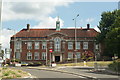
{"points": [[49, 74], [86, 71]]}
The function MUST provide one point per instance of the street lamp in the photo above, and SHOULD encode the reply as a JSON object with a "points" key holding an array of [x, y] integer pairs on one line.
{"points": [[0, 25], [50, 50], [95, 64], [75, 37], [14, 43]]}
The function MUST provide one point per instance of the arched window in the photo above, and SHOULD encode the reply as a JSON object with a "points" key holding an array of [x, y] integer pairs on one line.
{"points": [[57, 44]]}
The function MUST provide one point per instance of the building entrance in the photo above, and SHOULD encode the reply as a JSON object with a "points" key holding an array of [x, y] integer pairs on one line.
{"points": [[57, 58]]}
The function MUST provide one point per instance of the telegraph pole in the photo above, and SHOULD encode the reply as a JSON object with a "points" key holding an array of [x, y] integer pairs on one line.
{"points": [[75, 39], [0, 25], [46, 53]]}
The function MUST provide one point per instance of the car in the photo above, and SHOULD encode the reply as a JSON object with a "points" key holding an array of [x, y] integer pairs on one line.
{"points": [[24, 63]]}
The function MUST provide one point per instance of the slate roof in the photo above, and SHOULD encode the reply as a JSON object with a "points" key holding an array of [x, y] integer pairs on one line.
{"points": [[84, 32]]}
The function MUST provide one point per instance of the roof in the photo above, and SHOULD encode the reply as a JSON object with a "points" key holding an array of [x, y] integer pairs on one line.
{"points": [[45, 32]]}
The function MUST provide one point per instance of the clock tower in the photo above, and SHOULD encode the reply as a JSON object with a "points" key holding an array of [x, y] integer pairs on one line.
{"points": [[58, 25]]}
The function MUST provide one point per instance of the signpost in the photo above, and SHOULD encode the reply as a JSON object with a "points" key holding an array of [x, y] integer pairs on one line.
{"points": [[50, 50]]}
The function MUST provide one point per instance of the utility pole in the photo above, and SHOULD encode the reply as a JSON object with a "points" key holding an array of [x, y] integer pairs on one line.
{"points": [[50, 55], [0, 25], [14, 40], [46, 53], [75, 39], [14, 46]]}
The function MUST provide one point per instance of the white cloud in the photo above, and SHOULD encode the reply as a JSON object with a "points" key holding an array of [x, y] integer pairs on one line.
{"points": [[5, 37], [89, 20], [60, 0], [30, 10], [49, 22], [97, 29]]}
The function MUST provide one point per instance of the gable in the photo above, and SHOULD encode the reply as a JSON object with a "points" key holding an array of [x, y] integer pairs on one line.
{"points": [[57, 34]]}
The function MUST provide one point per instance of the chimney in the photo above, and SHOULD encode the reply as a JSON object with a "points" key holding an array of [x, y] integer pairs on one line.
{"points": [[81, 28], [88, 26], [28, 26]]}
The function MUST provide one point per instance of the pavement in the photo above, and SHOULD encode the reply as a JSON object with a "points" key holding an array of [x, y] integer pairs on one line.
{"points": [[84, 71]]}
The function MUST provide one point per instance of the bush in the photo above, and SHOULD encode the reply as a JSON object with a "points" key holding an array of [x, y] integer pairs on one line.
{"points": [[115, 66], [4, 68], [34, 64], [16, 60], [106, 58], [6, 74]]}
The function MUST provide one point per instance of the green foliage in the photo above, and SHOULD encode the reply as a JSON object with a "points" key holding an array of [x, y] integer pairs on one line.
{"points": [[17, 75], [110, 32], [34, 64], [6, 74], [115, 66], [19, 71], [87, 56], [4, 68], [16, 60], [12, 72], [2, 53]]}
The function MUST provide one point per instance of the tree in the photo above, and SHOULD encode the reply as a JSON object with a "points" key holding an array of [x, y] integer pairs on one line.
{"points": [[2, 53], [87, 56], [110, 32], [113, 38]]}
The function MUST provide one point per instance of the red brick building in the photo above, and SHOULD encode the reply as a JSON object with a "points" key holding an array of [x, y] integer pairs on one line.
{"points": [[33, 45]]}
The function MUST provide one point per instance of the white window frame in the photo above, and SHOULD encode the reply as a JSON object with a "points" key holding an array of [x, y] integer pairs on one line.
{"points": [[97, 46], [17, 55], [70, 55], [77, 46], [70, 45], [51, 43], [43, 56], [63, 44], [29, 45], [85, 45], [37, 45], [36, 56], [57, 44], [29, 56], [18, 45], [44, 44], [78, 55]]}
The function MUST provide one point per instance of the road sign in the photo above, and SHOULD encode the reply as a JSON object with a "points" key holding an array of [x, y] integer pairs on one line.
{"points": [[50, 50]]}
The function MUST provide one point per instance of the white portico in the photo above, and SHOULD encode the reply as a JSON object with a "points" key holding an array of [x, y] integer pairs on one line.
{"points": [[57, 57]]}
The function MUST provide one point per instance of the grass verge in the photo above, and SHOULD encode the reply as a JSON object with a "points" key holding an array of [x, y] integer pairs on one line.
{"points": [[10, 73], [90, 63]]}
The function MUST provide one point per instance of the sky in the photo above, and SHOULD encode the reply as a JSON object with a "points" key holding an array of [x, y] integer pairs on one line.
{"points": [[43, 14]]}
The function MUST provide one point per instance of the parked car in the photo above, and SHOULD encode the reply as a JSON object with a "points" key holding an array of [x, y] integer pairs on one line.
{"points": [[24, 64]]}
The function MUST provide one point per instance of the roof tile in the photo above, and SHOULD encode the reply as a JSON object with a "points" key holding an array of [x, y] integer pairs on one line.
{"points": [[44, 32]]}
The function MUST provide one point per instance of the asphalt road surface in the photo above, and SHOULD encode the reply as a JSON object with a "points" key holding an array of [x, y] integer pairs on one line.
{"points": [[49, 74]]}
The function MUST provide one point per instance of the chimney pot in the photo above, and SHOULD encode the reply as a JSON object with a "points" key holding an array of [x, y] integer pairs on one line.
{"points": [[28, 26], [88, 26]]}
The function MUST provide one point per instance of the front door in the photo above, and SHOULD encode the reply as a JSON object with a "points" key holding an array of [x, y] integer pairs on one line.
{"points": [[57, 58]]}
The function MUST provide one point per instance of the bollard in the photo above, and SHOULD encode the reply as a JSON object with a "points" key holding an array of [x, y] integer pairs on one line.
{"points": [[85, 64], [95, 66]]}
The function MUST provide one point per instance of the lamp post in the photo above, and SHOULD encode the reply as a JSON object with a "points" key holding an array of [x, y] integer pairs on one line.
{"points": [[14, 44], [0, 26], [46, 53], [75, 38], [95, 64], [50, 55]]}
